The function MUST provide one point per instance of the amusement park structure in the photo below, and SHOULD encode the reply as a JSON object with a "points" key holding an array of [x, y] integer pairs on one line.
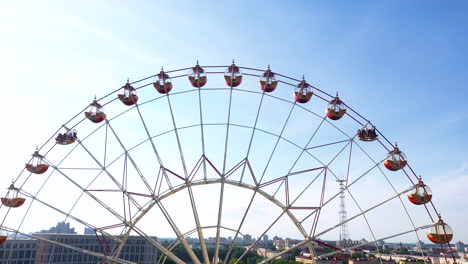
{"points": [[135, 189]]}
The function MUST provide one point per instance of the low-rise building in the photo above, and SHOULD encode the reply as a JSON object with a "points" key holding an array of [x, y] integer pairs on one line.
{"points": [[442, 260], [34, 251], [308, 259], [371, 261], [268, 253]]}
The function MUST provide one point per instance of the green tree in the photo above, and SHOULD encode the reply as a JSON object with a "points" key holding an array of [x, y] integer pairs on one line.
{"points": [[404, 250]]}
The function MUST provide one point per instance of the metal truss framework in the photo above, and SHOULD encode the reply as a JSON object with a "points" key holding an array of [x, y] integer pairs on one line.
{"points": [[155, 194]]}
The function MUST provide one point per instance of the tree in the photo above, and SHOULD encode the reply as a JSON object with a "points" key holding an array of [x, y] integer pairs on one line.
{"points": [[358, 255], [404, 250]]}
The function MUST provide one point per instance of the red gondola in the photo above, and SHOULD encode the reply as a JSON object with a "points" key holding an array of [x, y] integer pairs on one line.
{"points": [[36, 165], [440, 233], [13, 199], [268, 81], [128, 94], [197, 76], [95, 112], [421, 194], [336, 108], [233, 75], [66, 138], [162, 82], [396, 160], [303, 92], [2, 239], [367, 134]]}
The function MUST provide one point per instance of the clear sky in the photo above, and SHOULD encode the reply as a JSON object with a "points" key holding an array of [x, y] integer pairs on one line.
{"points": [[400, 63]]}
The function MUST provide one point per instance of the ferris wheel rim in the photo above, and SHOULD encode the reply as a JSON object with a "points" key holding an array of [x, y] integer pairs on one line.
{"points": [[232, 89]]}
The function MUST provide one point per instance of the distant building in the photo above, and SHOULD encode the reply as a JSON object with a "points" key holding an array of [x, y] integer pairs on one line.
{"points": [[286, 243], [263, 251], [380, 243], [88, 231], [278, 242], [460, 246], [61, 228], [247, 239], [265, 239], [420, 244]]}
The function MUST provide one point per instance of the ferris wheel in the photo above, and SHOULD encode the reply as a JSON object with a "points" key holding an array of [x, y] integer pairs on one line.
{"points": [[211, 158]]}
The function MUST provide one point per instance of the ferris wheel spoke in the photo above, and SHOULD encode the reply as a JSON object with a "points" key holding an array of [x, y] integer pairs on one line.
{"points": [[179, 234], [227, 131], [37, 193], [380, 239], [327, 166], [192, 201], [158, 157], [67, 215], [365, 219], [160, 191], [287, 211], [198, 226], [260, 236], [202, 132], [220, 211], [253, 132], [234, 183], [307, 144], [105, 146], [131, 226], [277, 141], [34, 198], [231, 246], [347, 186], [350, 248], [321, 233], [221, 194], [285, 251], [157, 245], [302, 152], [106, 172], [181, 153], [104, 205], [290, 206], [395, 190], [357, 204], [127, 154], [170, 248]]}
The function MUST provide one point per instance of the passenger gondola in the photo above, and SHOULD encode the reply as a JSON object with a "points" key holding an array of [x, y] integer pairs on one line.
{"points": [[303, 92], [233, 75], [127, 95], [162, 82]]}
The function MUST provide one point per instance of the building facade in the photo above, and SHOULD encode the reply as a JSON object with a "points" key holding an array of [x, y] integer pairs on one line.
{"points": [[29, 251]]}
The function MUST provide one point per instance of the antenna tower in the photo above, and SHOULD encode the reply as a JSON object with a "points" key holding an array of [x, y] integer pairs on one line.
{"points": [[344, 235]]}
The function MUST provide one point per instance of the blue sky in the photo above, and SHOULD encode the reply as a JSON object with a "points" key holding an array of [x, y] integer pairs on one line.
{"points": [[399, 63]]}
